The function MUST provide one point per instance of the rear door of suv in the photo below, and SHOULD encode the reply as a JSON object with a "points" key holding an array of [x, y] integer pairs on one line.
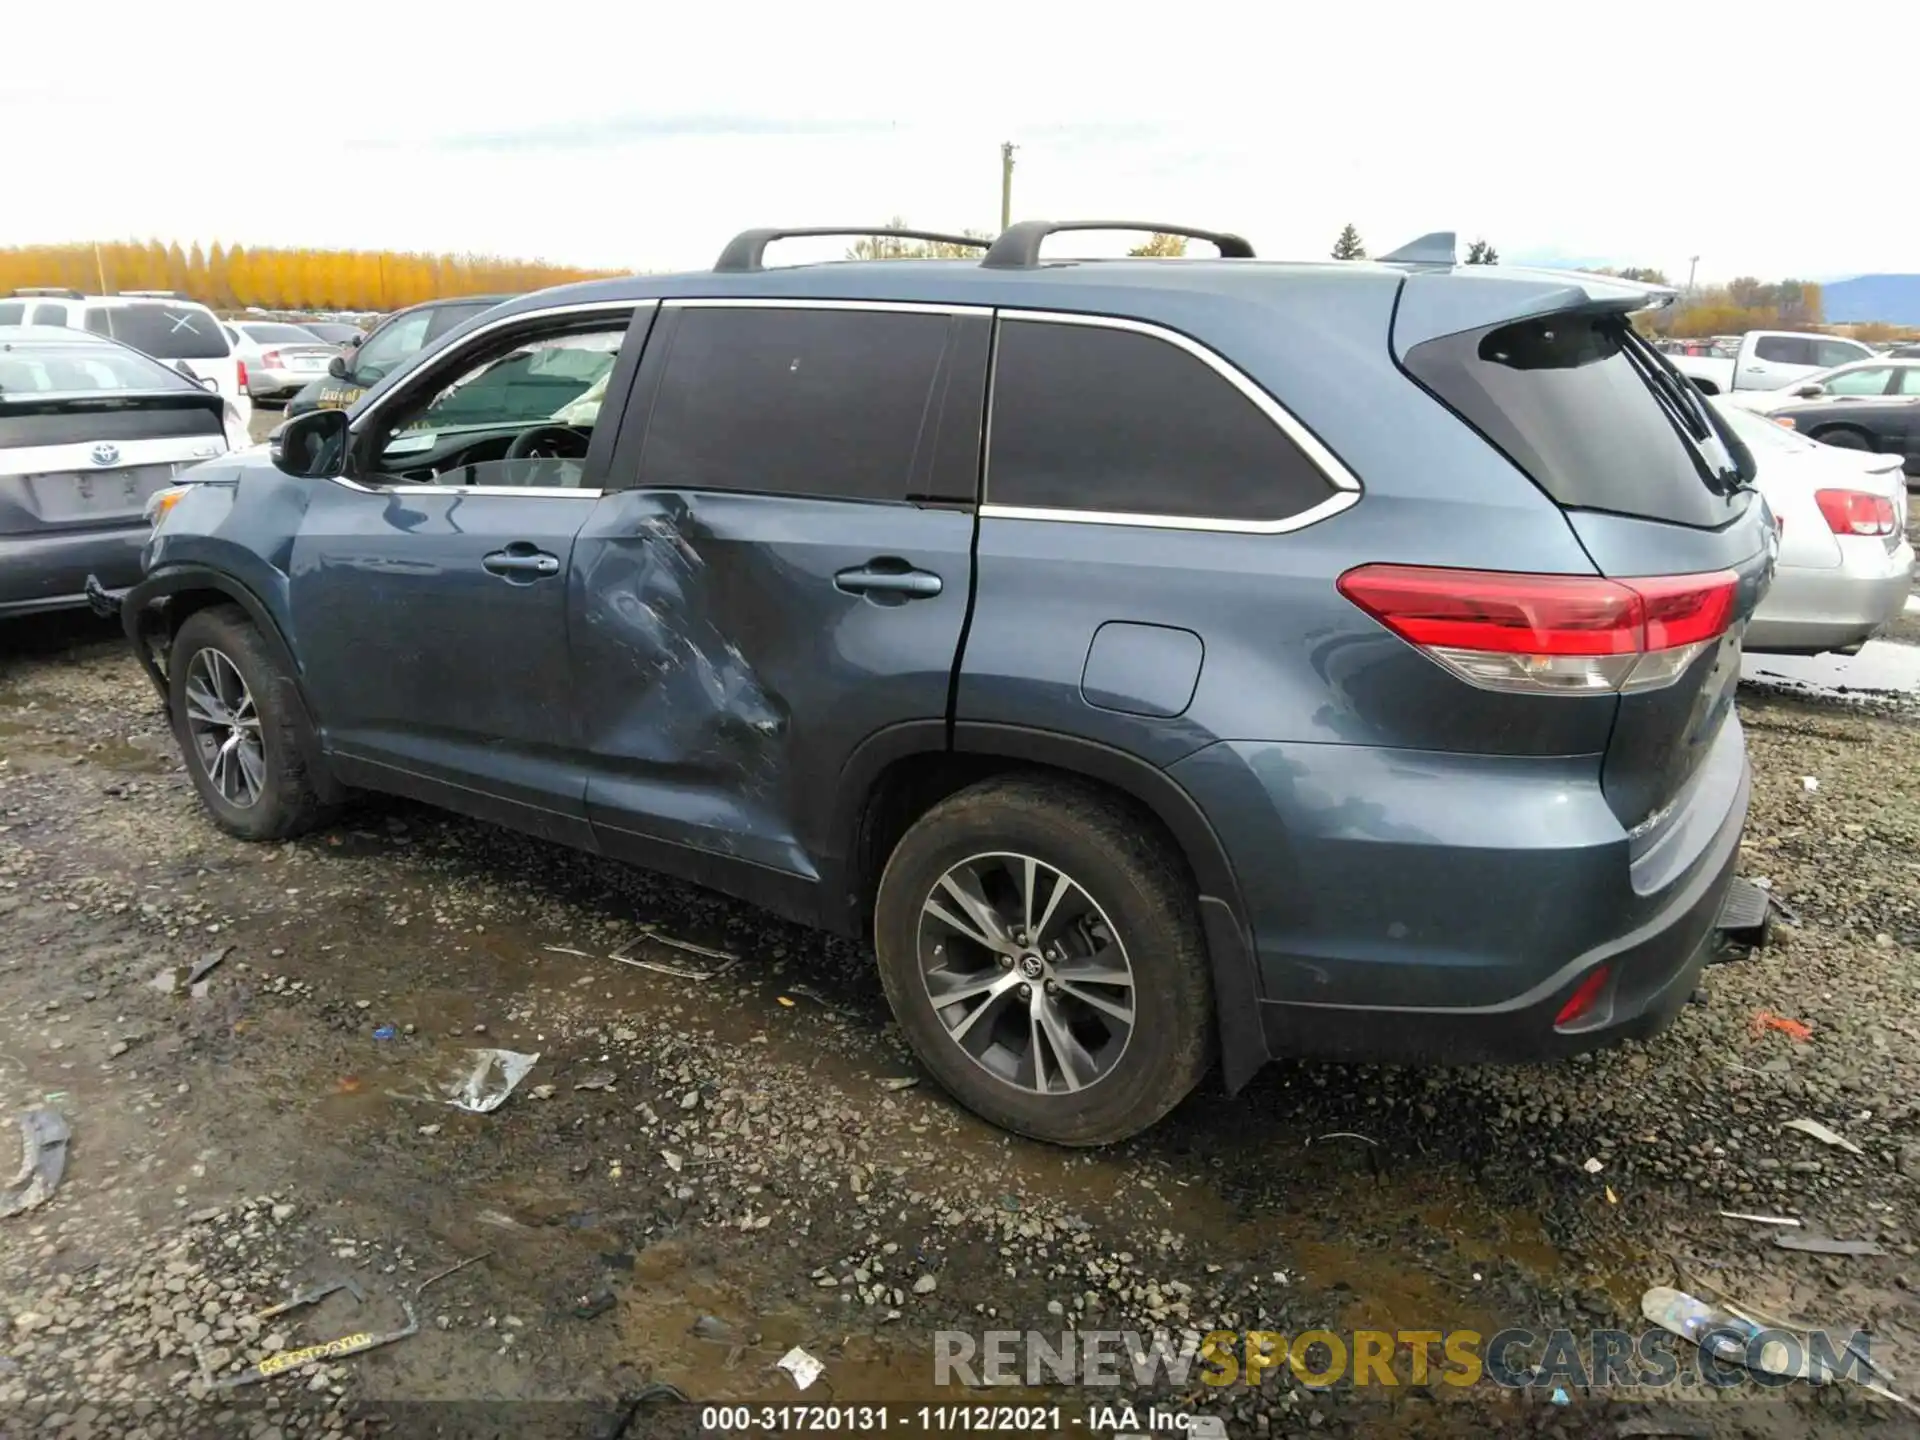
{"points": [[784, 574]]}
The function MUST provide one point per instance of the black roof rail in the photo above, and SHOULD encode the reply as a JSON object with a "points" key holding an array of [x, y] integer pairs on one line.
{"points": [[1018, 247], [52, 291], [747, 250], [1438, 248]]}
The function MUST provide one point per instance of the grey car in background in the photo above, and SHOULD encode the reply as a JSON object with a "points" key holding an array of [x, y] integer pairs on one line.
{"points": [[280, 357], [90, 431]]}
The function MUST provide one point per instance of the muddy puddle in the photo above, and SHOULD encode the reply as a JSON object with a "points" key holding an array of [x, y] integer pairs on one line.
{"points": [[1883, 668]]}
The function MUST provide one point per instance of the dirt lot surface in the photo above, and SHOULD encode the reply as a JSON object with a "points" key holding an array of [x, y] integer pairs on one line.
{"points": [[700, 1173]]}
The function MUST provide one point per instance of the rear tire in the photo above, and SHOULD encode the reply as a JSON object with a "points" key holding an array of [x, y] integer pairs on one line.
{"points": [[234, 713], [1061, 933]]}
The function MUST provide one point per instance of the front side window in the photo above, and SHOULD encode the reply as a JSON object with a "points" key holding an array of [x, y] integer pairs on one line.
{"points": [[167, 332], [1837, 352], [1787, 350], [521, 414], [1868, 380], [1087, 417], [823, 403]]}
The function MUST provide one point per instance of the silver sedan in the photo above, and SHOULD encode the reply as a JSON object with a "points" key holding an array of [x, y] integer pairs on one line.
{"points": [[280, 358], [1845, 566]]}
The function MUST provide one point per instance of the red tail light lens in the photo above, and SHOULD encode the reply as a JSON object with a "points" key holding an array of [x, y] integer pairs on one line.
{"points": [[1855, 512], [271, 359], [1581, 1002], [241, 365], [1549, 634]]}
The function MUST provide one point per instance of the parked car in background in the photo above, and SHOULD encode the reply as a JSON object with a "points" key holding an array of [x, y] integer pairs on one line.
{"points": [[1883, 425], [398, 338], [1905, 352], [1881, 375], [90, 431], [1768, 359], [1306, 658], [184, 333], [1845, 567], [280, 357], [335, 332]]}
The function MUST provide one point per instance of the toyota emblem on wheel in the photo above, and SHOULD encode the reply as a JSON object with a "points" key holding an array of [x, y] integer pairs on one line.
{"points": [[105, 453]]}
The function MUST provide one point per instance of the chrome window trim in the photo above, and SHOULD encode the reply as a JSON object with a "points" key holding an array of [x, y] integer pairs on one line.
{"points": [[1347, 487], [745, 302]]}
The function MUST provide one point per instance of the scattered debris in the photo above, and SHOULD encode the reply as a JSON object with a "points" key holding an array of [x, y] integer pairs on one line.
{"points": [[661, 967], [900, 1082], [801, 1366], [1765, 1020], [566, 950], [205, 964], [625, 956], [1652, 1427], [1612, 1199], [1727, 1335], [166, 982], [455, 1269], [1346, 1135], [1593, 1165], [1785, 911], [592, 1307], [1810, 782], [926, 1285], [1823, 1134], [652, 932], [787, 1000], [674, 1161], [543, 1092], [1758, 1219], [712, 1327], [383, 1032], [598, 1080], [1824, 1245], [481, 1080], [1560, 1396], [809, 993], [314, 1296], [430, 1129], [285, 1360], [44, 1133]]}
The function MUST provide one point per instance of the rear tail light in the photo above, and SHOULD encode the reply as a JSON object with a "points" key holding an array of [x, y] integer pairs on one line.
{"points": [[1580, 1004], [270, 360], [241, 365], [1855, 512], [1549, 634]]}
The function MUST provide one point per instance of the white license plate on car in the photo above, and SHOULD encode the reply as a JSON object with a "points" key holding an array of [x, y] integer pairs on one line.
{"points": [[309, 362], [80, 495]]}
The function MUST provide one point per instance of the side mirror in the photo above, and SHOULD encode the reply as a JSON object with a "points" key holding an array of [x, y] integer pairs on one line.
{"points": [[312, 445], [337, 366], [1809, 392], [357, 340]]}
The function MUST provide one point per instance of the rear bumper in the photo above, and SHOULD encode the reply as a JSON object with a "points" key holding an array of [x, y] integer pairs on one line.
{"points": [[47, 572], [1415, 906], [1815, 610]]}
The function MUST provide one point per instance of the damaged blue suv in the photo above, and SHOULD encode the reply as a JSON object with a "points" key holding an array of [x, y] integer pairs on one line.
{"points": [[1161, 661]]}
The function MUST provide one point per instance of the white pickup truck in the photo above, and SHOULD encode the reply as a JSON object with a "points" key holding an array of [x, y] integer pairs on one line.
{"points": [[1767, 360]]}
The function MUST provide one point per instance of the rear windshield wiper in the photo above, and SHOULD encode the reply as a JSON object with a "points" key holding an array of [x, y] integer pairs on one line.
{"points": [[1689, 411]]}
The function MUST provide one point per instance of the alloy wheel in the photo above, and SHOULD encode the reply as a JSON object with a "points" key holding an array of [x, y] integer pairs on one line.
{"points": [[224, 725], [1026, 973]]}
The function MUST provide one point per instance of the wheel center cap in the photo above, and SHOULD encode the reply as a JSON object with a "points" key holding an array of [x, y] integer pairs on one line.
{"points": [[1032, 966]]}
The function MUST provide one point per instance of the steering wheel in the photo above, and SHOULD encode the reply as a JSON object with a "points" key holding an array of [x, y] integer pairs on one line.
{"points": [[550, 442]]}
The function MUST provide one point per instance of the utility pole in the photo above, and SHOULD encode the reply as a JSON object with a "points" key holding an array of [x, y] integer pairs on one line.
{"points": [[100, 267], [1692, 265], [1007, 148]]}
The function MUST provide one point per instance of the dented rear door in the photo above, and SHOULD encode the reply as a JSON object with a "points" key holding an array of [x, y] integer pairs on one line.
{"points": [[785, 574]]}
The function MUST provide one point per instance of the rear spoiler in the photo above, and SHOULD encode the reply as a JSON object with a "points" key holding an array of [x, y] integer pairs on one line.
{"points": [[1445, 302]]}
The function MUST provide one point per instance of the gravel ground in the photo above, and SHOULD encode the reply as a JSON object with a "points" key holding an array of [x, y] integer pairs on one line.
{"points": [[700, 1173]]}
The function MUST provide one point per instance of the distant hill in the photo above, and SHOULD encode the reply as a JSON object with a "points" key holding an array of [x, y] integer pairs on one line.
{"points": [[1894, 299]]}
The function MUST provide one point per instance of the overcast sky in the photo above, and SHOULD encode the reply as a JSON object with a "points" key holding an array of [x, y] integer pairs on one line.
{"points": [[621, 135]]}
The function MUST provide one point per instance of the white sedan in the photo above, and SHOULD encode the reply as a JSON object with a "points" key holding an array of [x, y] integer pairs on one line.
{"points": [[1882, 375], [1845, 565]]}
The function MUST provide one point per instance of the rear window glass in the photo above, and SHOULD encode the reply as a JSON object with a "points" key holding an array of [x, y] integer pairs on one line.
{"points": [[11, 312], [171, 332], [56, 368], [280, 335], [1590, 412]]}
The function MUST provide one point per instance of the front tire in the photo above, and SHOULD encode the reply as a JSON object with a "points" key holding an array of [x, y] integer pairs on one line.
{"points": [[234, 715], [1040, 947]]}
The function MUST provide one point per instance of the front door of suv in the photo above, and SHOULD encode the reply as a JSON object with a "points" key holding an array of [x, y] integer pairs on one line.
{"points": [[428, 589], [786, 574]]}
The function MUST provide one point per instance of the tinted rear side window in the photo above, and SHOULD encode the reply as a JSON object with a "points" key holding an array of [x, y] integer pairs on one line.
{"points": [[1091, 418], [170, 332], [1588, 412], [11, 312], [828, 403]]}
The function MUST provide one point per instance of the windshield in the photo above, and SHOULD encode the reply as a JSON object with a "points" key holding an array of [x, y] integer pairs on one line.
{"points": [[389, 345], [52, 368], [169, 332], [281, 335]]}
